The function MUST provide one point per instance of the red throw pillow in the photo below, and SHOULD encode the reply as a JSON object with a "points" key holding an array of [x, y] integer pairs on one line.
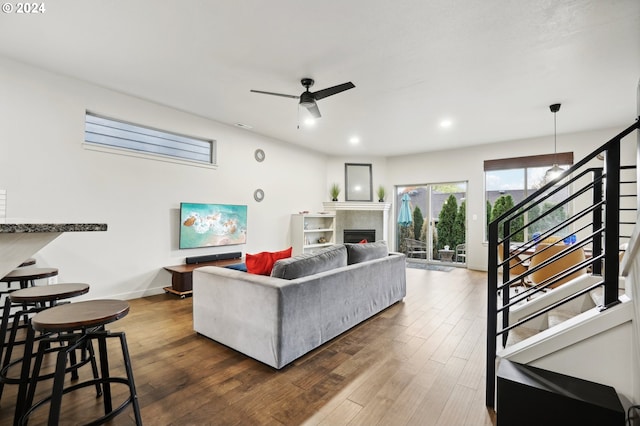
{"points": [[363, 242], [262, 263]]}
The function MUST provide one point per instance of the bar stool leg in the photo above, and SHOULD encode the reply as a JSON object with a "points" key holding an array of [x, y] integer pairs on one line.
{"points": [[33, 381], [26, 367], [132, 386], [94, 366], [6, 360], [6, 313], [12, 337], [104, 368], [58, 388]]}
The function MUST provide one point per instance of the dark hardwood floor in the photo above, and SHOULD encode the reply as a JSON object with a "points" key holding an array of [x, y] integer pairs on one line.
{"points": [[420, 362]]}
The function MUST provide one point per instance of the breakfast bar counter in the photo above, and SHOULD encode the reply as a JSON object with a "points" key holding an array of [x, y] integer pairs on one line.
{"points": [[20, 240]]}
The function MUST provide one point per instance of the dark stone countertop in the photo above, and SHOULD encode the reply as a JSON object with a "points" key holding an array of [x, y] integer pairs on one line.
{"points": [[8, 228]]}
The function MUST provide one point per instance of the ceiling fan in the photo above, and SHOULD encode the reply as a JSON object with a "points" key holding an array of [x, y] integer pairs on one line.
{"points": [[308, 99]]}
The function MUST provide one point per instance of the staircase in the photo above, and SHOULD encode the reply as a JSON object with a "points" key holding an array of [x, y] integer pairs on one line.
{"points": [[582, 320]]}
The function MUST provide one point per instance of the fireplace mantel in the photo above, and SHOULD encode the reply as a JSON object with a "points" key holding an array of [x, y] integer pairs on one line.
{"points": [[360, 215], [356, 206]]}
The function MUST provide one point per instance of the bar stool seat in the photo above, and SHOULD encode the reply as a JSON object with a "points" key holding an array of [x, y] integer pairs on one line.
{"points": [[49, 293], [30, 261], [77, 324], [26, 276], [29, 301]]}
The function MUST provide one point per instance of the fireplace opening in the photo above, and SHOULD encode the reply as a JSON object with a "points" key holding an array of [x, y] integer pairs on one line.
{"points": [[357, 235]]}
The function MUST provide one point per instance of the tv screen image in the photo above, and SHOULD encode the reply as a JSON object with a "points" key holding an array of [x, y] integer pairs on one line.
{"points": [[208, 225]]}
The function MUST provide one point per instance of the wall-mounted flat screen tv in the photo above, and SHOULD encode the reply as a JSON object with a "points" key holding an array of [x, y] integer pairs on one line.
{"points": [[209, 225]]}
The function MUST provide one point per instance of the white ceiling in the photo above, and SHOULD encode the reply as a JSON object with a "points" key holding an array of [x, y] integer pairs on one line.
{"points": [[492, 66]]}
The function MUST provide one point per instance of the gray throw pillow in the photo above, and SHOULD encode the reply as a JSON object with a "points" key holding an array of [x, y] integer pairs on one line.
{"points": [[357, 253], [306, 264]]}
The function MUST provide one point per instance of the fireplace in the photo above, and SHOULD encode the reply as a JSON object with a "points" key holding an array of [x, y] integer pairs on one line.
{"points": [[357, 235]]}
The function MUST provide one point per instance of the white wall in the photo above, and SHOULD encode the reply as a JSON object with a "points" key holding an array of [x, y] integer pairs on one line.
{"points": [[49, 176], [467, 165], [335, 174]]}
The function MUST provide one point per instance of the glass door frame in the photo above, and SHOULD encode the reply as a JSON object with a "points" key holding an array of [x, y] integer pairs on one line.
{"points": [[431, 219]]}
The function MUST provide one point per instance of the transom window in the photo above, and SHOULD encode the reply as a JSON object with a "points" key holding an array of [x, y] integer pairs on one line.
{"points": [[107, 132], [509, 181]]}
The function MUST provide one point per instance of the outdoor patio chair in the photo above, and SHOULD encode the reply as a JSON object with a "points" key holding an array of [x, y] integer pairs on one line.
{"points": [[461, 253], [416, 249]]}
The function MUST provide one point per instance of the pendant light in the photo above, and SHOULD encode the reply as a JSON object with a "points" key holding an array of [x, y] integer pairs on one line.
{"points": [[555, 170]]}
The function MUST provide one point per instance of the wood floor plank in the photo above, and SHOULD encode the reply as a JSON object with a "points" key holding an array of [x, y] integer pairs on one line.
{"points": [[343, 414], [432, 406], [451, 342], [419, 362], [456, 407]]}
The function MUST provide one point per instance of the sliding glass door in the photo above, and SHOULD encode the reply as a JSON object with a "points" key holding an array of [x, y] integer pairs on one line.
{"points": [[431, 222]]}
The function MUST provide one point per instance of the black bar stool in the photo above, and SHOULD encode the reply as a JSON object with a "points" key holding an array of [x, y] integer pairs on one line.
{"points": [[30, 301], [27, 276], [30, 261], [76, 325]]}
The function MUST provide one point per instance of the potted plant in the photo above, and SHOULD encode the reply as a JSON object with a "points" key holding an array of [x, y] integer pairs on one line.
{"points": [[381, 193], [334, 191]]}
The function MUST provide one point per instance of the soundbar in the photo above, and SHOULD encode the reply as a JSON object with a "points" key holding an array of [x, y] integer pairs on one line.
{"points": [[213, 257]]}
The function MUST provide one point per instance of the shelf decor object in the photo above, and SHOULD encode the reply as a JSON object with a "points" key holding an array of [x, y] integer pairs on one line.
{"points": [[334, 191]]}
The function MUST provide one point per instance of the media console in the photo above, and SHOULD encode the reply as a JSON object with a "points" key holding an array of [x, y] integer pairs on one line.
{"points": [[182, 275]]}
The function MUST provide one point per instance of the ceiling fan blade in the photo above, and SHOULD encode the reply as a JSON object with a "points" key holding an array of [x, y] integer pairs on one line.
{"points": [[333, 90], [313, 109], [275, 94]]}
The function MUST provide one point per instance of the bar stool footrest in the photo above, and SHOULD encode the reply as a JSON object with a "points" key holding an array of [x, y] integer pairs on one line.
{"points": [[93, 382]]}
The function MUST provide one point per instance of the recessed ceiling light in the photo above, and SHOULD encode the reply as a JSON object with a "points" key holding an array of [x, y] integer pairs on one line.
{"points": [[309, 121], [446, 123], [244, 126], [354, 140]]}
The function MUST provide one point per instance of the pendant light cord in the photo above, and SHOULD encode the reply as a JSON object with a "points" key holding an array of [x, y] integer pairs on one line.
{"points": [[555, 135]]}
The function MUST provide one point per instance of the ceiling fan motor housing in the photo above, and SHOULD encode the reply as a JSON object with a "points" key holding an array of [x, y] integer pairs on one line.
{"points": [[307, 98], [307, 82]]}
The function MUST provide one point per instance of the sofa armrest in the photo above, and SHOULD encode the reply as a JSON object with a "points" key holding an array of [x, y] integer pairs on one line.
{"points": [[239, 310]]}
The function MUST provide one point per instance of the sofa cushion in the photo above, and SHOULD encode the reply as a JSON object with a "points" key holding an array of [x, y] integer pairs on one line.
{"points": [[306, 264], [262, 263], [357, 253]]}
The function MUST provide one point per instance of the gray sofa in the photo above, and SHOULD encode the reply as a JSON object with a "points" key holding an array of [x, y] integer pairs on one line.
{"points": [[308, 300]]}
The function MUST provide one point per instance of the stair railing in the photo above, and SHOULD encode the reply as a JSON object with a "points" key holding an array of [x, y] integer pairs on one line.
{"points": [[597, 224]]}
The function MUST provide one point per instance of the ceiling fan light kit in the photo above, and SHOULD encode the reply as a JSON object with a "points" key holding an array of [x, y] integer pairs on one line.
{"points": [[308, 99]]}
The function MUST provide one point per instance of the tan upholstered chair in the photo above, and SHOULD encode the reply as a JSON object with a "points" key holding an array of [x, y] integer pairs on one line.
{"points": [[515, 268], [551, 239], [563, 263]]}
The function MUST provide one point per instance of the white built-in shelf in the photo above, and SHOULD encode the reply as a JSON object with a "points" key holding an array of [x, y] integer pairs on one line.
{"points": [[307, 229]]}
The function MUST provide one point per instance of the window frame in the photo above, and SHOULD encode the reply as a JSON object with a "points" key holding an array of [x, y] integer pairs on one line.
{"points": [[175, 141], [523, 164]]}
